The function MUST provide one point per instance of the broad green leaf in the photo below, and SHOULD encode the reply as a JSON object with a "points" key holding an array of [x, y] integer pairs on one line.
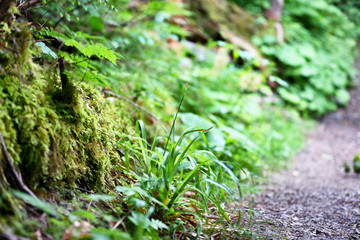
{"points": [[193, 120], [96, 23], [216, 140], [342, 96], [307, 51], [290, 56]]}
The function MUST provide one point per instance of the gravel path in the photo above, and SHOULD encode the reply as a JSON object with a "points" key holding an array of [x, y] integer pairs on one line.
{"points": [[316, 199]]}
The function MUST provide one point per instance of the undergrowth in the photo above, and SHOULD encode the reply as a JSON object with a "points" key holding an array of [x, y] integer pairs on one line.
{"points": [[317, 72]]}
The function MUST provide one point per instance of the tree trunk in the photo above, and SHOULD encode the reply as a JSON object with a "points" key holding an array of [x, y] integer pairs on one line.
{"points": [[275, 14], [276, 10]]}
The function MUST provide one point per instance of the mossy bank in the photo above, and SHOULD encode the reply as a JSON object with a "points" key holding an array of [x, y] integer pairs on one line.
{"points": [[53, 142]]}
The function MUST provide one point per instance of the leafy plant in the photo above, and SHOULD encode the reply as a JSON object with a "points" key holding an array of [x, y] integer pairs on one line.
{"points": [[168, 174], [318, 74]]}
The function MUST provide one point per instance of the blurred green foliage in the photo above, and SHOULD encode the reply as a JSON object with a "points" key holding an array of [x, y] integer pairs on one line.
{"points": [[351, 8], [256, 7], [317, 72]]}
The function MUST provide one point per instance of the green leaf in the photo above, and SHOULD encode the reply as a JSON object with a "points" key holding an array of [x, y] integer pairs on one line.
{"points": [[131, 191], [339, 78], [86, 48], [157, 224], [307, 51], [292, 98], [42, 205], [320, 82], [139, 219], [100, 197], [308, 70], [45, 49], [342, 96], [84, 214], [290, 56], [193, 120], [278, 81], [96, 24], [216, 140], [101, 233]]}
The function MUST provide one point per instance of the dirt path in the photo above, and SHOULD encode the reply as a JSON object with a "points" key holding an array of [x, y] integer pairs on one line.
{"points": [[315, 199]]}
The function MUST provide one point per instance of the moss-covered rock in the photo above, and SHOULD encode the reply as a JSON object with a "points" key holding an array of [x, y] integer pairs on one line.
{"points": [[52, 141]]}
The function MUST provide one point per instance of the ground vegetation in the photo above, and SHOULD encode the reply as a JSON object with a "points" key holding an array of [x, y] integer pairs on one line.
{"points": [[144, 119]]}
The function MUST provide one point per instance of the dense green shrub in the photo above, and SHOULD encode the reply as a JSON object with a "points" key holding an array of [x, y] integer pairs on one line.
{"points": [[351, 8], [317, 72]]}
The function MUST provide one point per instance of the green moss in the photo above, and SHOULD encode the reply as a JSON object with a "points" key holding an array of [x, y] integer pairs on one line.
{"points": [[52, 142]]}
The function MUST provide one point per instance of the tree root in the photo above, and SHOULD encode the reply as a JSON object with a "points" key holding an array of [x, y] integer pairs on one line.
{"points": [[12, 175]]}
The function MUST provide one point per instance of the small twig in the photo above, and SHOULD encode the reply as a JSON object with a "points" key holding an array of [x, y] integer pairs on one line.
{"points": [[59, 21], [44, 13], [26, 5], [7, 48], [42, 25], [124, 227], [118, 223], [137, 106], [38, 6], [89, 206], [45, 40], [15, 175], [62, 44], [84, 190], [64, 16], [109, 206], [214, 235]]}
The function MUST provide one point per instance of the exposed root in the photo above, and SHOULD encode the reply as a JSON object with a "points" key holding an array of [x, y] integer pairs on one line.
{"points": [[13, 176]]}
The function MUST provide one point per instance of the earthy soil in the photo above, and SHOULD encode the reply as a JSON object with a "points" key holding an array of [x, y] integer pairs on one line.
{"points": [[315, 198]]}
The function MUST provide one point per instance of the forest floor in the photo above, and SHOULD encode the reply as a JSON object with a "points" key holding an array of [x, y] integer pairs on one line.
{"points": [[315, 198]]}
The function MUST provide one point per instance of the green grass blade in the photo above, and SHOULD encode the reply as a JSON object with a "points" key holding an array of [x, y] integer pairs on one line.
{"points": [[190, 176], [172, 130]]}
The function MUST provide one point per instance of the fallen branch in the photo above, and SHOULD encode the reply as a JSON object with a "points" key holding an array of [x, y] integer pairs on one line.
{"points": [[137, 106], [14, 177]]}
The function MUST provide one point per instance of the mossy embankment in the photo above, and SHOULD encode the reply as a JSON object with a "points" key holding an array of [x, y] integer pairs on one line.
{"points": [[51, 141]]}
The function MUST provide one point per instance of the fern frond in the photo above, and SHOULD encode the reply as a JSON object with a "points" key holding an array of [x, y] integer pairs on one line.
{"points": [[88, 49]]}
